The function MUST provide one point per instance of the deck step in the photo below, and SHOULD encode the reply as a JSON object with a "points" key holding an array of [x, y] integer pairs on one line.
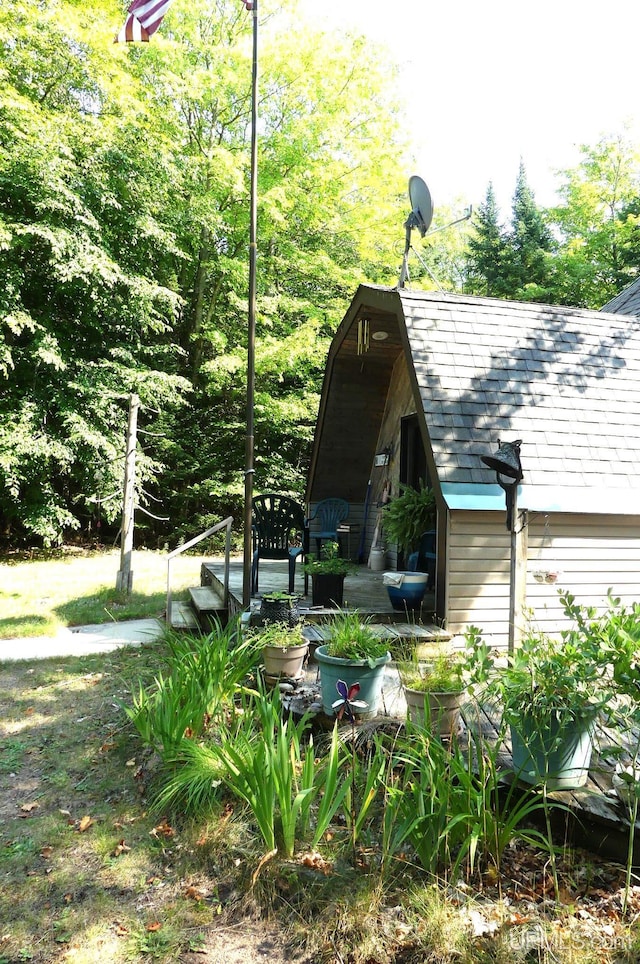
{"points": [[206, 600], [208, 606], [182, 617]]}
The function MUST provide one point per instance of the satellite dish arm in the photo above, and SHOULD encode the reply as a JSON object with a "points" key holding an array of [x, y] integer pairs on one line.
{"points": [[404, 271]]}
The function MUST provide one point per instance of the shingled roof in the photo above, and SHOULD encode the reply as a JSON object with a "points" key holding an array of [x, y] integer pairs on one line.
{"points": [[627, 302], [565, 381]]}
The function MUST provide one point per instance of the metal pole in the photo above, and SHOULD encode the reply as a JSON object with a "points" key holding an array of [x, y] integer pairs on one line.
{"points": [[251, 336], [517, 572]]}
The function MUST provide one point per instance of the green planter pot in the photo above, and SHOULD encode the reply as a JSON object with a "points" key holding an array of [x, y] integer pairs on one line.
{"points": [[558, 757], [333, 668]]}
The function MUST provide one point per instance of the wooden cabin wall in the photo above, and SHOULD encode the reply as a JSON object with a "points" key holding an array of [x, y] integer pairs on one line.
{"points": [[399, 403], [589, 554]]}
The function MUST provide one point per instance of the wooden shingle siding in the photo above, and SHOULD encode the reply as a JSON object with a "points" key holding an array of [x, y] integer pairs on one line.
{"points": [[590, 554]]}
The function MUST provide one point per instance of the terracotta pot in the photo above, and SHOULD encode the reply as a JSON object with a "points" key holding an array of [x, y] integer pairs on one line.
{"points": [[440, 710], [287, 662]]}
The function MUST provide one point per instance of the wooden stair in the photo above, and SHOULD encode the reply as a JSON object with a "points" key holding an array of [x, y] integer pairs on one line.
{"points": [[204, 608]]}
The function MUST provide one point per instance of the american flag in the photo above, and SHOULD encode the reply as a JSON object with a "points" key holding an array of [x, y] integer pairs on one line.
{"points": [[143, 19]]}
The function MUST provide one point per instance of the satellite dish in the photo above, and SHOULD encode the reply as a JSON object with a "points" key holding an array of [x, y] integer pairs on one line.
{"points": [[420, 218], [421, 205]]}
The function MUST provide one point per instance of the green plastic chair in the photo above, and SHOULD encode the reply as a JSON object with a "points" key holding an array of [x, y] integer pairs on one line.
{"points": [[279, 531], [329, 513]]}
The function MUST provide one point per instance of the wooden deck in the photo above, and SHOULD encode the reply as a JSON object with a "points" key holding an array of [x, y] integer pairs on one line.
{"points": [[363, 590]]}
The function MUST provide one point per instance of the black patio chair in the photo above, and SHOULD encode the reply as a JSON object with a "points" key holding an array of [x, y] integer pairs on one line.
{"points": [[279, 531]]}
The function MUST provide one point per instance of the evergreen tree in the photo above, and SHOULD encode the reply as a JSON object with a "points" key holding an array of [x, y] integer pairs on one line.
{"points": [[529, 245], [487, 251]]}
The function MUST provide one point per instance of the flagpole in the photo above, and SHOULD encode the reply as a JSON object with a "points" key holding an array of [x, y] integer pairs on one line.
{"points": [[251, 333]]}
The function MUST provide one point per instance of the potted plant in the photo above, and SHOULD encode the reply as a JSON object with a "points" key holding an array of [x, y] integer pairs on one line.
{"points": [[405, 521], [280, 607], [354, 654], [434, 691], [284, 650], [550, 692], [327, 571]]}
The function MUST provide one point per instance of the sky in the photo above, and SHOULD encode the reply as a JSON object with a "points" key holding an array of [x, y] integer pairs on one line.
{"points": [[486, 84]]}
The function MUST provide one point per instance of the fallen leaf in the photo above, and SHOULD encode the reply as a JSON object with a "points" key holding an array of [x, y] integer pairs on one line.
{"points": [[154, 927], [68, 898], [29, 711], [316, 862], [162, 830], [120, 848], [28, 807], [46, 852], [131, 762], [121, 930], [193, 893], [85, 823], [65, 813], [106, 747]]}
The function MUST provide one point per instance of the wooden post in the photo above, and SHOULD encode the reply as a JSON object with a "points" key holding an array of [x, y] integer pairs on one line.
{"points": [[124, 579]]}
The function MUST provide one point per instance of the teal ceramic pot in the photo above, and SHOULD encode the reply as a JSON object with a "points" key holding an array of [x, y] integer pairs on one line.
{"points": [[333, 668], [558, 757]]}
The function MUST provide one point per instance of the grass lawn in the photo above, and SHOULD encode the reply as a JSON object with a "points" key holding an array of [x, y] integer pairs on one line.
{"points": [[87, 873], [76, 587]]}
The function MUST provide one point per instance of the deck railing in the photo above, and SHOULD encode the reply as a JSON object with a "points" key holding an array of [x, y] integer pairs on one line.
{"points": [[226, 523]]}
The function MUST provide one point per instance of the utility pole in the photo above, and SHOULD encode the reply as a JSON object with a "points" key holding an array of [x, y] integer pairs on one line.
{"points": [[124, 579]]}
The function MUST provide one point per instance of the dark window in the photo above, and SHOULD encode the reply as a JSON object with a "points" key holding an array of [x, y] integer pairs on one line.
{"points": [[413, 461]]}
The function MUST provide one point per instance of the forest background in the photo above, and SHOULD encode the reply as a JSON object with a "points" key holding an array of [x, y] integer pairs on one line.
{"points": [[124, 210]]}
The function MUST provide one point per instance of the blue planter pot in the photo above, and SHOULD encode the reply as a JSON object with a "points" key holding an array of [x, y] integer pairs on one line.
{"points": [[333, 668], [558, 757], [410, 593]]}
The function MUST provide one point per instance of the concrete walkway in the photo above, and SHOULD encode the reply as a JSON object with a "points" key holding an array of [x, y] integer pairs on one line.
{"points": [[83, 640]]}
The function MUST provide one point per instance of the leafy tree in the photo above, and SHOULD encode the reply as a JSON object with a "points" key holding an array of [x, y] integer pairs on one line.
{"points": [[124, 228], [79, 330], [598, 223]]}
